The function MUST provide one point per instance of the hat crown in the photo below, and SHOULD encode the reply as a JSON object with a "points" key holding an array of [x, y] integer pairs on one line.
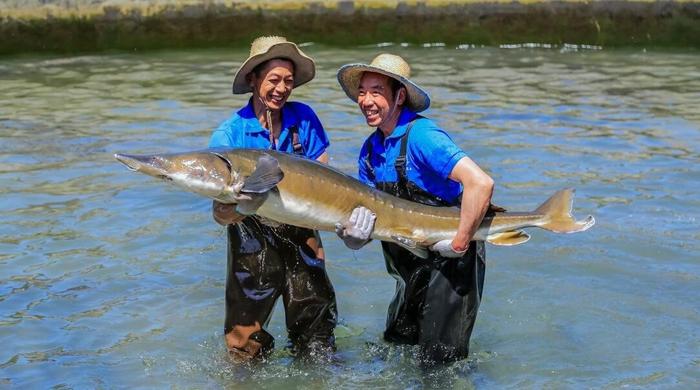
{"points": [[266, 48], [263, 44], [393, 64]]}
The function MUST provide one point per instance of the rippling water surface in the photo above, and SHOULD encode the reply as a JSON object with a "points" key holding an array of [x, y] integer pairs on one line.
{"points": [[111, 279]]}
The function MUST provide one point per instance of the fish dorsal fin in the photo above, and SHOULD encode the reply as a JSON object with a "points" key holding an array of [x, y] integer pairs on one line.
{"points": [[513, 237], [411, 246], [266, 175], [496, 209]]}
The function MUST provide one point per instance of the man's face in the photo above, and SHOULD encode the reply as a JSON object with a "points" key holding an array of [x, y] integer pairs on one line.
{"points": [[376, 99], [274, 83]]}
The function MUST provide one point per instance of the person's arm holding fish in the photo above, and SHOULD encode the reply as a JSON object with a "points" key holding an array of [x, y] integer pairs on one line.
{"points": [[476, 196], [226, 214], [356, 231]]}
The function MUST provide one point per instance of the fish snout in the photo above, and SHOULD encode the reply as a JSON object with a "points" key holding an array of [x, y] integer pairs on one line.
{"points": [[132, 162], [150, 165]]}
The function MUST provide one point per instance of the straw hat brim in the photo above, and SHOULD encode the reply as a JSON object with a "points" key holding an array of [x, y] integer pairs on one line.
{"points": [[304, 67], [349, 78]]}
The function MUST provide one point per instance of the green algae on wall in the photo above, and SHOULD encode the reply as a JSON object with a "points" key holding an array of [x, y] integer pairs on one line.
{"points": [[82, 26]]}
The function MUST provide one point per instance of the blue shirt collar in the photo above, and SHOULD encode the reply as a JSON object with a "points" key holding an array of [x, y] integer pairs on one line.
{"points": [[248, 113], [405, 117]]}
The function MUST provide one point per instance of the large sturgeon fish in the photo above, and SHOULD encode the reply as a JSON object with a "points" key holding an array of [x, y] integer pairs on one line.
{"points": [[302, 192]]}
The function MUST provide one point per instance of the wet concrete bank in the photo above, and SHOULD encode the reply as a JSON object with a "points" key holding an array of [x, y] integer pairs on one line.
{"points": [[91, 25]]}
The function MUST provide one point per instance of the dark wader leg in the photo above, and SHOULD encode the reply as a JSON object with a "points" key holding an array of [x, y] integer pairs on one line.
{"points": [[436, 301], [264, 263], [255, 276], [454, 297], [309, 298]]}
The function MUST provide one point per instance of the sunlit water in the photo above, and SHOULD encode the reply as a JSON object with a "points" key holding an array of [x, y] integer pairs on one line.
{"points": [[112, 279]]}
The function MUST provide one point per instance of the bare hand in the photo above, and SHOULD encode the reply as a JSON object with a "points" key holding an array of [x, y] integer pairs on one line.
{"points": [[225, 214]]}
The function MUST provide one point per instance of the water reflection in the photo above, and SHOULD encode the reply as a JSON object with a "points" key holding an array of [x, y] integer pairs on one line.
{"points": [[109, 277]]}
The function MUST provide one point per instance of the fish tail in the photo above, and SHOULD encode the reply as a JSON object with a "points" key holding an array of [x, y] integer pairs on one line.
{"points": [[556, 212]]}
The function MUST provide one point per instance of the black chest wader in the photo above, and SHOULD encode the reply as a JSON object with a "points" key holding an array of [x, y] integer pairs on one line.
{"points": [[436, 299], [266, 262]]}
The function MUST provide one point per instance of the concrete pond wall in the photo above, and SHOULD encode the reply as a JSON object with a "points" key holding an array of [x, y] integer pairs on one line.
{"points": [[96, 25]]}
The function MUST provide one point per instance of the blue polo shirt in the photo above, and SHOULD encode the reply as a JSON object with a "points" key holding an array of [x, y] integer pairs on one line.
{"points": [[243, 130], [430, 156]]}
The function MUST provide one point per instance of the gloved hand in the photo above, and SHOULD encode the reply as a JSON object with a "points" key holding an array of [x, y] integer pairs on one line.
{"points": [[445, 249], [355, 232]]}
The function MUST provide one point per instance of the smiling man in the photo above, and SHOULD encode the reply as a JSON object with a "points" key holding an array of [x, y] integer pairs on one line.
{"points": [[266, 261], [409, 156]]}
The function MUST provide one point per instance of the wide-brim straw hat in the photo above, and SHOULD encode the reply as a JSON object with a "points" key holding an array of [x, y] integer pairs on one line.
{"points": [[389, 65], [267, 48]]}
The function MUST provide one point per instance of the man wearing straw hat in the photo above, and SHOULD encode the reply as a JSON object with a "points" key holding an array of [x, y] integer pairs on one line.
{"points": [[266, 260], [409, 156]]}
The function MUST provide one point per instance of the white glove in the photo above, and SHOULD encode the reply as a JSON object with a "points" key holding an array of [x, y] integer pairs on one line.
{"points": [[444, 248], [356, 231]]}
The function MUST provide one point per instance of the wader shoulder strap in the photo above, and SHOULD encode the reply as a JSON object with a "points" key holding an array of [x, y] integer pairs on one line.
{"points": [[407, 189], [400, 164], [368, 162], [296, 145]]}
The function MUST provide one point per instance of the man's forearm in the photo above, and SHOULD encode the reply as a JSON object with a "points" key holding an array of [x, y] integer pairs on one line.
{"points": [[476, 197], [475, 203]]}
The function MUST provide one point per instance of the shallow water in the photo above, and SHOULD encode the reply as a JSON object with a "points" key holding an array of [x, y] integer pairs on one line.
{"points": [[111, 279]]}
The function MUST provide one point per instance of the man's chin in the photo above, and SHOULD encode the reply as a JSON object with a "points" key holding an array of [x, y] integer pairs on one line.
{"points": [[275, 105], [372, 123]]}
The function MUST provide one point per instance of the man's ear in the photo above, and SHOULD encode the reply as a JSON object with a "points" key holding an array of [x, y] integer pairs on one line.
{"points": [[250, 80], [401, 96]]}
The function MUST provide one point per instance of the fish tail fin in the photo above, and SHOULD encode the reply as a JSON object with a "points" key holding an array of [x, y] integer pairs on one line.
{"points": [[557, 216]]}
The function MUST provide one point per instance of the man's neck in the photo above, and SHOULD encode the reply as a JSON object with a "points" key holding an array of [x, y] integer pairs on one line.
{"points": [[261, 113], [389, 128]]}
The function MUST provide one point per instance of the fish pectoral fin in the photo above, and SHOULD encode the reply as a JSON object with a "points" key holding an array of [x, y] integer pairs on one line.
{"points": [[256, 187], [411, 246], [266, 175], [513, 237], [248, 204]]}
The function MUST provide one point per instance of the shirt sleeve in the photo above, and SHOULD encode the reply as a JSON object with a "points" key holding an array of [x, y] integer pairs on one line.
{"points": [[316, 140], [220, 137], [435, 150], [363, 172]]}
